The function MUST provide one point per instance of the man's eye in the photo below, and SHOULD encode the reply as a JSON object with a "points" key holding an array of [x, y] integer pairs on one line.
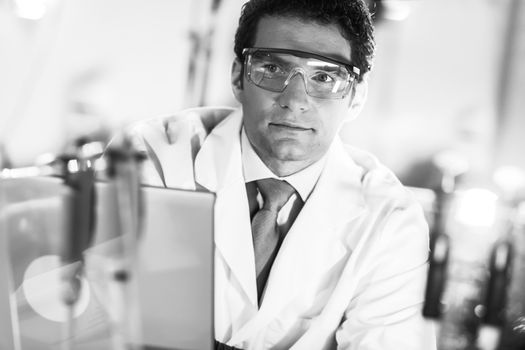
{"points": [[323, 78], [271, 68]]}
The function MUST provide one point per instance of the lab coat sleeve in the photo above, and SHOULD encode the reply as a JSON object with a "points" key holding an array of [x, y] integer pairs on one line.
{"points": [[385, 312], [145, 138], [171, 143]]}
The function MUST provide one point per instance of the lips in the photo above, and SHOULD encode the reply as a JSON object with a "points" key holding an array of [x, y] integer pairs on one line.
{"points": [[290, 126]]}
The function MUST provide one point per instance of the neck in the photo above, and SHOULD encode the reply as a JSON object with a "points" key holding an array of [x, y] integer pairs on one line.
{"points": [[284, 168]]}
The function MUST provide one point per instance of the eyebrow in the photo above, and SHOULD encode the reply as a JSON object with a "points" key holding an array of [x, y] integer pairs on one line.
{"points": [[275, 58]]}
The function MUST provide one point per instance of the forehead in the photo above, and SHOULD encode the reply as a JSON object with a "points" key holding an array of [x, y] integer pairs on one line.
{"points": [[295, 34]]}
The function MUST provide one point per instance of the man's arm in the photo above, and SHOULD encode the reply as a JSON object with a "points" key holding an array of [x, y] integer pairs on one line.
{"points": [[160, 137]]}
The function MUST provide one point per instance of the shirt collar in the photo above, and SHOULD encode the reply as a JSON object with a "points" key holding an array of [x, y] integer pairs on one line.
{"points": [[254, 169]]}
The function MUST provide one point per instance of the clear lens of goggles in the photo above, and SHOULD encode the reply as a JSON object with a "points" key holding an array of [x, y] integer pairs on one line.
{"points": [[273, 69]]}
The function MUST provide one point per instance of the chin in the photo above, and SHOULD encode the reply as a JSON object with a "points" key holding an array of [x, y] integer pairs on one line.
{"points": [[291, 154]]}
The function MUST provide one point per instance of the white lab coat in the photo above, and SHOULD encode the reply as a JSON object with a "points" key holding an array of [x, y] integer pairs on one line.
{"points": [[351, 271]]}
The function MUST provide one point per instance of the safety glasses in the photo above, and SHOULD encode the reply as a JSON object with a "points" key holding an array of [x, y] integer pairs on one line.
{"points": [[273, 69]]}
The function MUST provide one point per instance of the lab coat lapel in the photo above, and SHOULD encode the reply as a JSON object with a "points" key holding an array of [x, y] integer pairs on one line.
{"points": [[312, 245], [218, 168]]}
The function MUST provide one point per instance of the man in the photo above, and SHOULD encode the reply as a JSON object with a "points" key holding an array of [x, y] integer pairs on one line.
{"points": [[333, 256]]}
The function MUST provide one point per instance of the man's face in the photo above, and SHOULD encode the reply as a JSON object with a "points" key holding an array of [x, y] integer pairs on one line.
{"points": [[291, 127]]}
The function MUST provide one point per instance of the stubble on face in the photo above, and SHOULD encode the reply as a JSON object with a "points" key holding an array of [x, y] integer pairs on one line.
{"points": [[291, 130]]}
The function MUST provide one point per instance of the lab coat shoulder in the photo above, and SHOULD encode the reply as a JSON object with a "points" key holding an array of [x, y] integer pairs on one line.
{"points": [[385, 196], [397, 218], [379, 183], [385, 311]]}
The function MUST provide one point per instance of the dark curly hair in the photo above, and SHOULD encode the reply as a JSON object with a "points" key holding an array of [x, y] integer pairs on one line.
{"points": [[351, 16]]}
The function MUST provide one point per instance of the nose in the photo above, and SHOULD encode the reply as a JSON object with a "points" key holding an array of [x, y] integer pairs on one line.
{"points": [[294, 95]]}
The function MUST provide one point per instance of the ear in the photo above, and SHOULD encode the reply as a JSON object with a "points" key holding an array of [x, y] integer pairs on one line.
{"points": [[358, 100], [236, 79]]}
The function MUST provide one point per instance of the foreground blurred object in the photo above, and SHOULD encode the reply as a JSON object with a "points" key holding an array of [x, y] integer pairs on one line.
{"points": [[33, 205], [75, 221], [34, 228], [9, 331], [123, 169], [79, 175], [78, 270]]}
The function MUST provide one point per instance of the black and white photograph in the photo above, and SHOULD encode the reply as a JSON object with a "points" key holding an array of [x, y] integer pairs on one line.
{"points": [[262, 174]]}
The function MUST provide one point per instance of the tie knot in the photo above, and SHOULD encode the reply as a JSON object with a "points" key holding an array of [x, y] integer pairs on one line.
{"points": [[275, 193]]}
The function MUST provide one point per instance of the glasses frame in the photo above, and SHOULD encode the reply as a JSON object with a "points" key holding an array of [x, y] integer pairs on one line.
{"points": [[249, 51]]}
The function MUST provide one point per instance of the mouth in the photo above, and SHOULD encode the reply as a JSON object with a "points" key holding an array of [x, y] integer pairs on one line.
{"points": [[289, 126]]}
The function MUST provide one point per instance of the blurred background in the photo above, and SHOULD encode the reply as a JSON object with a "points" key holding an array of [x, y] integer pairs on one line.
{"points": [[445, 100], [445, 111], [449, 76]]}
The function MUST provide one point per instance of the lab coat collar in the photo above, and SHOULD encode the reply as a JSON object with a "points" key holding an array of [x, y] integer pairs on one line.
{"points": [[218, 168]]}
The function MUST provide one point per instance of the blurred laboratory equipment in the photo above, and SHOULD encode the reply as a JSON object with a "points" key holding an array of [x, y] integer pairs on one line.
{"points": [[9, 332], [450, 166], [84, 276], [47, 221], [4, 157], [474, 291], [511, 183], [123, 168], [79, 176]]}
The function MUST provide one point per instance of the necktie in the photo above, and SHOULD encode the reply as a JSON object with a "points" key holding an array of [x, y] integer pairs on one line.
{"points": [[265, 232]]}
